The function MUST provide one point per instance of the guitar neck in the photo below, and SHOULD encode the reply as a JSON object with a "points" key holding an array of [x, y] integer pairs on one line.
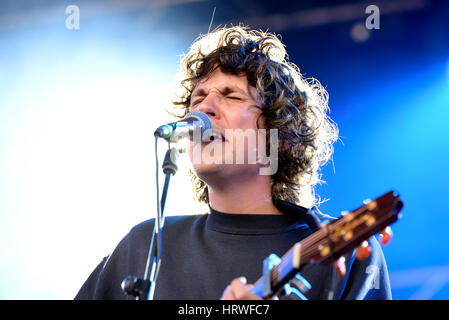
{"points": [[290, 264]]}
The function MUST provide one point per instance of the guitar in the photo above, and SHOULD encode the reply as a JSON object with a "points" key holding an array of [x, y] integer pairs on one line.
{"points": [[330, 242]]}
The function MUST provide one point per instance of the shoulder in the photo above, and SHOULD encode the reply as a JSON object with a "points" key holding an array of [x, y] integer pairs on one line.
{"points": [[368, 278]]}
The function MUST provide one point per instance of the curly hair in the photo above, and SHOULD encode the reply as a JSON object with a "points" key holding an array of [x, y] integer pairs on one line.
{"points": [[294, 105]]}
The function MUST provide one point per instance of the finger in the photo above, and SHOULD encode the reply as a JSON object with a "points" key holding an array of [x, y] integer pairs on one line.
{"points": [[238, 287], [241, 291], [228, 294]]}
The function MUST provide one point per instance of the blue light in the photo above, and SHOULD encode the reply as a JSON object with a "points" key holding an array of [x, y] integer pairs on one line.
{"points": [[447, 71]]}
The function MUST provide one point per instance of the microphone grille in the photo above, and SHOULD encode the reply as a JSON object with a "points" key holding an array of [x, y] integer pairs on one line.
{"points": [[206, 122]]}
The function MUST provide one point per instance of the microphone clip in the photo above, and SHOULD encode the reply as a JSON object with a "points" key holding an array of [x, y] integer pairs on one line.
{"points": [[135, 286]]}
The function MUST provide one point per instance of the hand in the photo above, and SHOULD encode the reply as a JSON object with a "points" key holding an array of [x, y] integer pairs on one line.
{"points": [[239, 290]]}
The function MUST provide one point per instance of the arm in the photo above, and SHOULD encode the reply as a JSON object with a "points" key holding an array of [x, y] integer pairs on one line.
{"points": [[368, 279]]}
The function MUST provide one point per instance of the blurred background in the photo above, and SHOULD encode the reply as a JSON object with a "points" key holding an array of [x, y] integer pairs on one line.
{"points": [[79, 103]]}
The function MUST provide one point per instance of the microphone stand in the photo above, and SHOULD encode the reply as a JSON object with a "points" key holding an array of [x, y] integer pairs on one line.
{"points": [[143, 289]]}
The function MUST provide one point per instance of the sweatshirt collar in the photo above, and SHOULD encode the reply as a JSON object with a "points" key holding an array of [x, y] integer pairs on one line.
{"points": [[237, 223]]}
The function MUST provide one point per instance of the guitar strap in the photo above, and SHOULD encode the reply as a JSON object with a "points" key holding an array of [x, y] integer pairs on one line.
{"points": [[313, 216]]}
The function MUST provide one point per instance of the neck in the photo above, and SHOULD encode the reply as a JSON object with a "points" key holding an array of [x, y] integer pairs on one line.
{"points": [[249, 197]]}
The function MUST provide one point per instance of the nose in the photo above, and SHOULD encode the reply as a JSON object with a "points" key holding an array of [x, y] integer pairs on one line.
{"points": [[210, 106]]}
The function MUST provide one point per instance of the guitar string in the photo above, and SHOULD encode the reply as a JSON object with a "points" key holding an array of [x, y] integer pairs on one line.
{"points": [[310, 244], [276, 276], [310, 247], [333, 224], [304, 254]]}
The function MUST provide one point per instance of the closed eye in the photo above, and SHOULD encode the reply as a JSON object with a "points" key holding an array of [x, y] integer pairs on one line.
{"points": [[194, 103], [197, 101]]}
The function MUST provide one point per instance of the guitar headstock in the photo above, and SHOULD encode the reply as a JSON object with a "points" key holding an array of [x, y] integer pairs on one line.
{"points": [[349, 231], [333, 240]]}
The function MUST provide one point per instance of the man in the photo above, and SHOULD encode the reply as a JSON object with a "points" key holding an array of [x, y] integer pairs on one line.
{"points": [[243, 82]]}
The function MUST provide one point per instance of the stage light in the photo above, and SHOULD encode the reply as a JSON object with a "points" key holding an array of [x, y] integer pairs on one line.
{"points": [[359, 33]]}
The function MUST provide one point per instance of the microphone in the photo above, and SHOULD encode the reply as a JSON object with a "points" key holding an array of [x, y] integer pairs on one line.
{"points": [[192, 120]]}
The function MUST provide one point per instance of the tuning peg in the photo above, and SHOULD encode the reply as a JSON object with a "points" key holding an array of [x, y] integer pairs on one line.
{"points": [[363, 251], [366, 201], [385, 236], [341, 266]]}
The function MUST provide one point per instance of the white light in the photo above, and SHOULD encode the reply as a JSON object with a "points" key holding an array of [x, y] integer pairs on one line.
{"points": [[78, 173], [359, 33]]}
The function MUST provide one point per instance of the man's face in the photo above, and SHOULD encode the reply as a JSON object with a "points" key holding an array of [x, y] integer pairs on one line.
{"points": [[230, 103]]}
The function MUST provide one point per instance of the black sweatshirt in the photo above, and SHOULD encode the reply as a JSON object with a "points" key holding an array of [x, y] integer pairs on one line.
{"points": [[202, 254]]}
